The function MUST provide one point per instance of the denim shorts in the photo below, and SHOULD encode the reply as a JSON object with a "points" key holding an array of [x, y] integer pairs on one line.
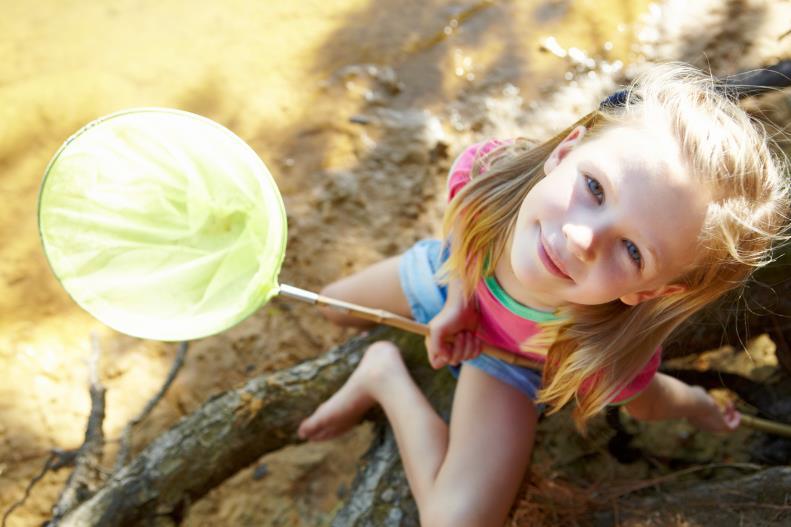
{"points": [[426, 297]]}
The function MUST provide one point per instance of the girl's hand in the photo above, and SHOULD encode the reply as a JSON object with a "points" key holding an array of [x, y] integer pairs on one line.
{"points": [[708, 415], [452, 334]]}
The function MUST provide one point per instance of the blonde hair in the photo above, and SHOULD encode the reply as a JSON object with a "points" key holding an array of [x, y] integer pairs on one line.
{"points": [[595, 351]]}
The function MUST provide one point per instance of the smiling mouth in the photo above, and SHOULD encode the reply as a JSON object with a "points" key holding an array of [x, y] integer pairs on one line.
{"points": [[546, 259]]}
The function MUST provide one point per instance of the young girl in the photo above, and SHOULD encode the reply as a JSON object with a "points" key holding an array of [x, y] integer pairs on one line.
{"points": [[574, 259]]}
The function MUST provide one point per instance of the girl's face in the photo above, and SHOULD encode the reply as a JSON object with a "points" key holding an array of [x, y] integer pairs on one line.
{"points": [[616, 216]]}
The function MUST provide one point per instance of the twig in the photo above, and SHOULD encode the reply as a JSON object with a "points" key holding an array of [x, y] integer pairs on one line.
{"points": [[57, 460], [126, 437], [30, 485], [765, 425], [84, 479], [623, 490]]}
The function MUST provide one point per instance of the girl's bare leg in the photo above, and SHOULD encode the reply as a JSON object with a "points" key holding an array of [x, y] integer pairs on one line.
{"points": [[465, 474], [377, 286]]}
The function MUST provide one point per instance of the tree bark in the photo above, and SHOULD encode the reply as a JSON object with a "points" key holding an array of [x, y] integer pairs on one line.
{"points": [[763, 306]]}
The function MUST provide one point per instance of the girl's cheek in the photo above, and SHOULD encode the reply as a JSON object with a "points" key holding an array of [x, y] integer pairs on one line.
{"points": [[604, 285]]}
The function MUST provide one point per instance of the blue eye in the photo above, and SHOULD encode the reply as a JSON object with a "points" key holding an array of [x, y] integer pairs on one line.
{"points": [[634, 252], [595, 188]]}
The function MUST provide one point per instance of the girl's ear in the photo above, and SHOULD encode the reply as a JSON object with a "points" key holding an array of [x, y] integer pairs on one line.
{"points": [[632, 299], [564, 147]]}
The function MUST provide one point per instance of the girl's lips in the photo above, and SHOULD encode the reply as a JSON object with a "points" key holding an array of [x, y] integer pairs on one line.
{"points": [[547, 260]]}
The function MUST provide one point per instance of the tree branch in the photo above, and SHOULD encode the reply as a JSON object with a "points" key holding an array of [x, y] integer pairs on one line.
{"points": [[126, 437], [228, 433], [86, 477]]}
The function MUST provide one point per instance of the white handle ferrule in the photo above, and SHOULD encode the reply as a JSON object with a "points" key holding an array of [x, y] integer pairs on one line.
{"points": [[298, 294]]}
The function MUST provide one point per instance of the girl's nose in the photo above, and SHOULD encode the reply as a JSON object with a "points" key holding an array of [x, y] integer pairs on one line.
{"points": [[580, 240]]}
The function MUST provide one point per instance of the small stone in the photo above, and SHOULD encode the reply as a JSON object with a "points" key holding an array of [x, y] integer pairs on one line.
{"points": [[360, 119], [388, 495], [260, 472], [341, 492], [395, 516]]}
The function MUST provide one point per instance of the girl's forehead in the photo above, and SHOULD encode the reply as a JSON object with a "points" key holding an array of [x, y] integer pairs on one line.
{"points": [[651, 153]]}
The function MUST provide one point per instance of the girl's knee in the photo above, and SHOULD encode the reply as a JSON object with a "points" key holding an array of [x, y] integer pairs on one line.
{"points": [[385, 350], [383, 361], [385, 353]]}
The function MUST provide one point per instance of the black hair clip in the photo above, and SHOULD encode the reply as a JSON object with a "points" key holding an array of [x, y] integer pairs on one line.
{"points": [[615, 100]]}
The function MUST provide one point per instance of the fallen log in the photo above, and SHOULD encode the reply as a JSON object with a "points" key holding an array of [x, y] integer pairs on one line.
{"points": [[228, 433]]}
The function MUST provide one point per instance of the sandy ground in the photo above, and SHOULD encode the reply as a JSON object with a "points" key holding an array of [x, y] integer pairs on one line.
{"points": [[287, 77]]}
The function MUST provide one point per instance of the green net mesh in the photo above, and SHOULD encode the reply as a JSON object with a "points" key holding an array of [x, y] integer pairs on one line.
{"points": [[162, 224]]}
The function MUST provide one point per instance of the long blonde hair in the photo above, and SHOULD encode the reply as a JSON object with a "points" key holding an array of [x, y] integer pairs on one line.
{"points": [[595, 351]]}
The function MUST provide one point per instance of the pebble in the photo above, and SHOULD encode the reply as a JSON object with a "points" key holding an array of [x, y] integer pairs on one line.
{"points": [[394, 517], [260, 472], [388, 495]]}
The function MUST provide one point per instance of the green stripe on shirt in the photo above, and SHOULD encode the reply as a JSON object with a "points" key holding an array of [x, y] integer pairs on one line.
{"points": [[513, 306]]}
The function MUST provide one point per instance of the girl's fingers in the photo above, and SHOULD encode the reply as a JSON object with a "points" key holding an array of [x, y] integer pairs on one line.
{"points": [[736, 420], [730, 416], [436, 342], [469, 343], [442, 349], [434, 352], [476, 348], [444, 354], [453, 349], [464, 346], [438, 361], [468, 347], [428, 344], [733, 418], [459, 345]]}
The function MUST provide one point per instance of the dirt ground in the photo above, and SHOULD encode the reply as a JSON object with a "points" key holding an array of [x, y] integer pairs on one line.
{"points": [[319, 90]]}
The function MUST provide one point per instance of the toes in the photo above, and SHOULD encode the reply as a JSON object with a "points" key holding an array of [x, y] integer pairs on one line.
{"points": [[312, 431], [311, 426], [305, 429], [324, 435]]}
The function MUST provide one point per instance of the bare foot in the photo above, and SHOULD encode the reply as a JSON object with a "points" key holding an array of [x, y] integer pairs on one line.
{"points": [[347, 406]]}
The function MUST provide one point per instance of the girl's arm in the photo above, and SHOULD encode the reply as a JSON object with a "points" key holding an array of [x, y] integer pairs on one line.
{"points": [[669, 398]]}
